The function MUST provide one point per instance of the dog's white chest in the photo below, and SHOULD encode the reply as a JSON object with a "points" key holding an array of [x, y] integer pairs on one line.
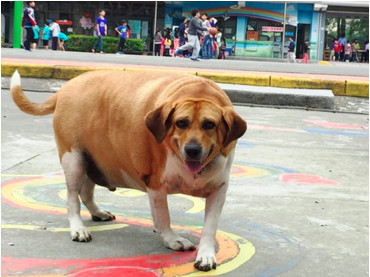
{"points": [[177, 178]]}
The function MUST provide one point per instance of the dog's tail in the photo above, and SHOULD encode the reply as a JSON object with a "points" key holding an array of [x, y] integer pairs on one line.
{"points": [[25, 104]]}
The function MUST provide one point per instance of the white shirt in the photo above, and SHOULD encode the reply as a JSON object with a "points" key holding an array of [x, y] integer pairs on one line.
{"points": [[55, 28]]}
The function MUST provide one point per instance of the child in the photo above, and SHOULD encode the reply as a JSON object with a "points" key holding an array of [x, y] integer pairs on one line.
{"points": [[221, 50], [167, 46], [35, 40], [305, 51], [55, 29], [347, 51], [337, 49], [122, 31], [62, 38], [101, 30], [46, 35]]}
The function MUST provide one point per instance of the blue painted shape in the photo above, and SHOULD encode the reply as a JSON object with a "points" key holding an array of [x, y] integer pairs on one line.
{"points": [[241, 27], [244, 144]]}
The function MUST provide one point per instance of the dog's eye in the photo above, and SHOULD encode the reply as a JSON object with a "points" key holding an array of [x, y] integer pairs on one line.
{"points": [[182, 124], [208, 125]]}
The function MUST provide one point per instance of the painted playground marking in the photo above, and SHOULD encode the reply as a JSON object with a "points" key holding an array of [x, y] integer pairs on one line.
{"points": [[233, 250]]}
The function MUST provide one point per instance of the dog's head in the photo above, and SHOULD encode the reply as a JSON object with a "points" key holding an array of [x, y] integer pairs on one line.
{"points": [[196, 129]]}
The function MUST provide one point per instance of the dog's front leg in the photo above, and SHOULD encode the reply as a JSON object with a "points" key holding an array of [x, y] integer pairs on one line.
{"points": [[206, 259], [161, 219], [75, 178]]}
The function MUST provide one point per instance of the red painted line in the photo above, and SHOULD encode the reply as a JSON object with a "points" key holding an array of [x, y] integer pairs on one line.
{"points": [[335, 125], [12, 266], [297, 178]]}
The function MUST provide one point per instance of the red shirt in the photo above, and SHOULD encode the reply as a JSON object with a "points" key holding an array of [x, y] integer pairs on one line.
{"points": [[337, 47]]}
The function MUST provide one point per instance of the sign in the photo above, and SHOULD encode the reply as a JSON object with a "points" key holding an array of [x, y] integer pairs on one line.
{"points": [[252, 35], [64, 22], [272, 29], [289, 34]]}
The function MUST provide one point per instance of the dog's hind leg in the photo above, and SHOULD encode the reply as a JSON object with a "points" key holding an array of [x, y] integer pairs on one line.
{"points": [[75, 175], [87, 197]]}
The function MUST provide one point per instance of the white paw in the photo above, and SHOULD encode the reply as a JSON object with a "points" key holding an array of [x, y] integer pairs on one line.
{"points": [[177, 243], [206, 259], [103, 216], [81, 234]]}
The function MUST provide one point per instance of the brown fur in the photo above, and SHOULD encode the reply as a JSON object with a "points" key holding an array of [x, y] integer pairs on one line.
{"points": [[126, 120]]}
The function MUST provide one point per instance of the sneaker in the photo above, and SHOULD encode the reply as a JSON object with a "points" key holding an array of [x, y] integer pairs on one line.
{"points": [[93, 50], [102, 52], [178, 52], [194, 59], [120, 53]]}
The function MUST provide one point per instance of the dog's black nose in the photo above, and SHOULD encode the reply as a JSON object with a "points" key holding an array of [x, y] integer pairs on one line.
{"points": [[193, 151]]}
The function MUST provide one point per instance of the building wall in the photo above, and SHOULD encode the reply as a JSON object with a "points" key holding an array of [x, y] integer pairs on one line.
{"points": [[252, 16]]}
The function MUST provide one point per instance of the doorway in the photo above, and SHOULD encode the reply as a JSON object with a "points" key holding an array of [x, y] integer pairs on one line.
{"points": [[302, 35]]}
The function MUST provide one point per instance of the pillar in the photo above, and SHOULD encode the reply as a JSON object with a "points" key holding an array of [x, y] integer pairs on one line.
{"points": [[17, 26]]}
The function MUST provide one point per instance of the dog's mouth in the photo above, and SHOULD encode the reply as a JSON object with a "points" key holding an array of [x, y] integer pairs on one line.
{"points": [[194, 166]]}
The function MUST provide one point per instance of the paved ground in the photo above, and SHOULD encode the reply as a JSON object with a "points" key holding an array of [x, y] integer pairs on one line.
{"points": [[297, 206], [356, 71]]}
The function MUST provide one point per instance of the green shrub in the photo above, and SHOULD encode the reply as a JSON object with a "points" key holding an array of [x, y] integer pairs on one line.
{"points": [[81, 43]]}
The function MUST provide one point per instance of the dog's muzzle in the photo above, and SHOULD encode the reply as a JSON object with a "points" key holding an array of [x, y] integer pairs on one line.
{"points": [[193, 157]]}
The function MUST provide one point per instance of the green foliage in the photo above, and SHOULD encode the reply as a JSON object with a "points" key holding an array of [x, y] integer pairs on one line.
{"points": [[358, 29], [352, 28], [81, 43]]}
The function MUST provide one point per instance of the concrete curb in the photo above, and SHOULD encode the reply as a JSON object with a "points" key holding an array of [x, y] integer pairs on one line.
{"points": [[339, 88], [282, 97]]}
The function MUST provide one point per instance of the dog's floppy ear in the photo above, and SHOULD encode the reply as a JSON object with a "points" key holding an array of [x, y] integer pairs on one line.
{"points": [[236, 126], [158, 121]]}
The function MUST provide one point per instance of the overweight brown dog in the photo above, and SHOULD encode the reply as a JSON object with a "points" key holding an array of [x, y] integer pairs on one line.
{"points": [[156, 132]]}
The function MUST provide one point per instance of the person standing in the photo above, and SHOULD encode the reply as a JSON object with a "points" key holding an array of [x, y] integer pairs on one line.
{"points": [[193, 41], [337, 49], [291, 47], [305, 52], [29, 23], [101, 30], [366, 52], [206, 37], [35, 40], [342, 41], [332, 52], [55, 30], [157, 42], [46, 35], [122, 31], [212, 22], [182, 28], [347, 52], [354, 51]]}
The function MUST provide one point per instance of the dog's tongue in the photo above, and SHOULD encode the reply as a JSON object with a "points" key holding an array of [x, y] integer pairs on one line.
{"points": [[194, 167]]}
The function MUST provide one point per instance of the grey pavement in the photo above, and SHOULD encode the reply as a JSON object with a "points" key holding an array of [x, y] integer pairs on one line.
{"points": [[299, 195], [348, 69]]}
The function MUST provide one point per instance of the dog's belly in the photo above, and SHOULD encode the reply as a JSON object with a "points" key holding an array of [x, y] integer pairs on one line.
{"points": [[128, 182]]}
